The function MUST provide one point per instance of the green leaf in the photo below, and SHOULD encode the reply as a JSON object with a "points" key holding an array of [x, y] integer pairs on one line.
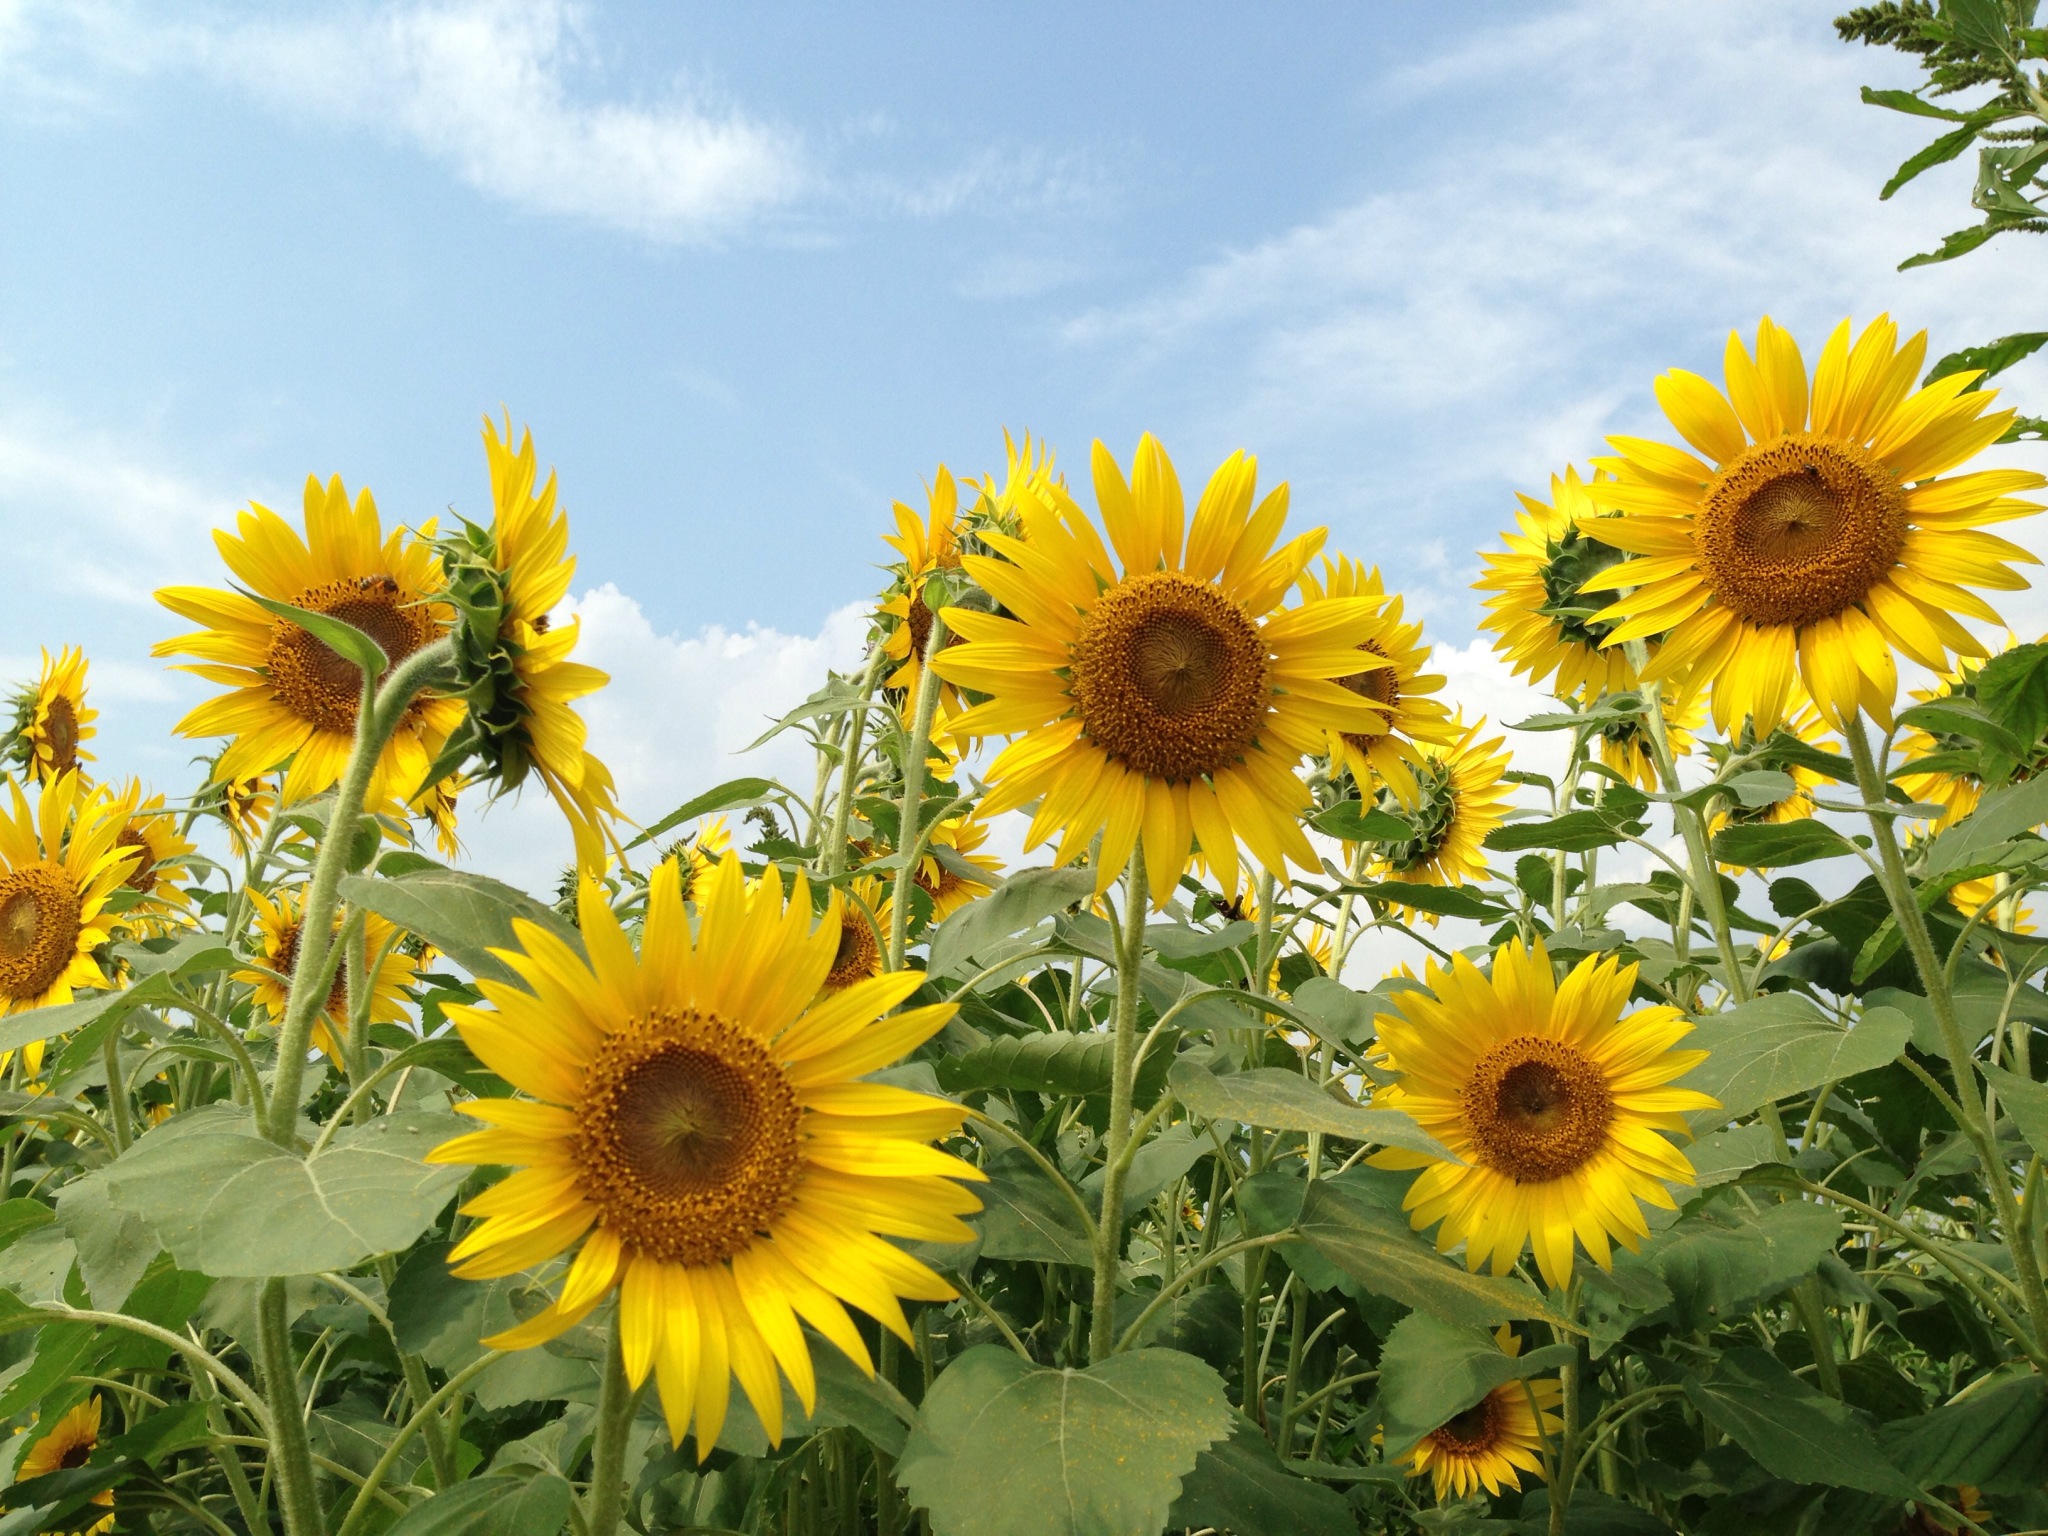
{"points": [[1760, 786], [464, 916], [1377, 1248], [2025, 1102], [154, 974], [1990, 359], [1024, 1217], [1349, 821], [1335, 1011], [1723, 1259], [1443, 900], [1965, 718], [1238, 1485], [1286, 1101], [1003, 1447], [2013, 686], [1431, 1371], [1775, 845], [1780, 1044], [61, 1351], [1790, 1428], [2001, 816], [1940, 152], [229, 1203], [1021, 902], [180, 1428], [734, 792], [1995, 1439], [22, 1215], [345, 640], [1958, 243], [115, 1246], [1980, 24], [502, 1504], [1733, 1151], [1074, 1065], [1906, 101], [1574, 832]]}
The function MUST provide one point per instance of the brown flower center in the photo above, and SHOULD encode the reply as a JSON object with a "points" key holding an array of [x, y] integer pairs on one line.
{"points": [[60, 728], [1799, 529], [286, 962], [688, 1137], [1536, 1109], [1382, 685], [318, 684], [142, 877], [1475, 1430], [76, 1455], [858, 956], [39, 924], [1170, 677]]}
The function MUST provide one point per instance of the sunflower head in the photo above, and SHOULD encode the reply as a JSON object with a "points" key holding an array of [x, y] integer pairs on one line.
{"points": [[512, 654], [699, 1134], [59, 865], [1553, 1098], [1461, 795], [929, 546], [1490, 1444], [159, 873], [1813, 532], [697, 854], [51, 722], [863, 921], [436, 803], [280, 930], [67, 1444], [943, 873]]}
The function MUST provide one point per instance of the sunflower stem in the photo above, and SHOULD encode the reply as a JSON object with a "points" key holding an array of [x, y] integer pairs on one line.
{"points": [[291, 1456], [616, 1402], [117, 1087], [913, 794], [376, 719], [849, 776], [1706, 878], [1566, 1466], [1109, 1227], [1962, 1060]]}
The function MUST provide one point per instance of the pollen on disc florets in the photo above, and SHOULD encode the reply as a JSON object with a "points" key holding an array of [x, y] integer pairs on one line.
{"points": [[1536, 1109], [688, 1137], [39, 925], [858, 956], [1799, 529], [1170, 677], [1382, 685], [1475, 1430], [143, 876], [316, 683]]}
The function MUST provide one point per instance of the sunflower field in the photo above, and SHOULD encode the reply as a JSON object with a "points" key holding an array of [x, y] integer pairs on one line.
{"points": [[1167, 1069]]}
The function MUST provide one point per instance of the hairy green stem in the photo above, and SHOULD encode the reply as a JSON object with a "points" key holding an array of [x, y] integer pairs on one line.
{"points": [[913, 794], [1706, 879], [117, 1087], [849, 776], [291, 1455], [616, 1401], [1109, 1230], [367, 1495]]}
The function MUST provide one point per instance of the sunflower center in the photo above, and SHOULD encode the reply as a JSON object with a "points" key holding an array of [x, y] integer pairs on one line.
{"points": [[39, 923], [688, 1137], [1382, 685], [1170, 676], [317, 683], [143, 876], [1537, 1109], [1799, 529], [857, 955], [286, 962], [76, 1456], [1474, 1430], [60, 726], [920, 621]]}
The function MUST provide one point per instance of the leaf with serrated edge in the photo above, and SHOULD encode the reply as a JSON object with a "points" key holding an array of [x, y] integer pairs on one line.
{"points": [[1286, 1101], [1779, 1045]]}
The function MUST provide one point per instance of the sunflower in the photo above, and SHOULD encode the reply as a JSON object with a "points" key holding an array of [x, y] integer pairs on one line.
{"points": [[697, 855], [279, 923], [1804, 722], [1956, 792], [243, 805], [294, 699], [1816, 540], [949, 888], [1028, 473], [1165, 695], [1387, 751], [1557, 1103], [1463, 795], [1970, 896], [1625, 744], [1541, 622], [863, 925], [927, 545], [1498, 1437], [436, 803], [58, 865], [159, 871], [70, 1441], [51, 721], [703, 1131], [520, 685]]}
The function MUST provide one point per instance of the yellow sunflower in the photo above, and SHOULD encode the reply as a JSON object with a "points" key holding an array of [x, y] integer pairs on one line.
{"points": [[1541, 622], [51, 721], [927, 545], [58, 865], [159, 872], [1815, 537], [1625, 746], [1389, 751], [1804, 722], [244, 806], [517, 678], [1165, 694], [697, 855], [703, 1131], [949, 889], [1028, 473], [69, 1443], [1956, 793], [1497, 1438], [436, 803], [294, 699], [1557, 1102], [1463, 795], [859, 954], [2007, 912], [280, 925]]}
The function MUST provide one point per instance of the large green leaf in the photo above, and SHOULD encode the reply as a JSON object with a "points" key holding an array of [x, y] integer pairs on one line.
{"points": [[153, 974], [1996, 1440], [1286, 1101], [2001, 816], [1024, 1217], [229, 1203], [1023, 901], [114, 1246], [1777, 845], [502, 1504], [1791, 1428], [464, 916], [1376, 1248], [1239, 1486], [1003, 1447], [1779, 1045], [1723, 1258], [2024, 1100], [1574, 832], [2013, 686], [1431, 1371]]}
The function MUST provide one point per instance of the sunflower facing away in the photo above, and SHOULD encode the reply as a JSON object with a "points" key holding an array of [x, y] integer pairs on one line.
{"points": [[294, 699], [1815, 536], [1166, 693], [1956, 792], [1626, 748], [280, 927], [1463, 795], [436, 804], [859, 956], [703, 1132], [70, 1441], [1028, 472], [159, 872], [1558, 1103], [58, 865], [243, 806], [927, 545], [1495, 1440], [51, 721], [1388, 751]]}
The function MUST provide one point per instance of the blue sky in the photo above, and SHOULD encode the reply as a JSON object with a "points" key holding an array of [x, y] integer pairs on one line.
{"points": [[750, 272]]}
